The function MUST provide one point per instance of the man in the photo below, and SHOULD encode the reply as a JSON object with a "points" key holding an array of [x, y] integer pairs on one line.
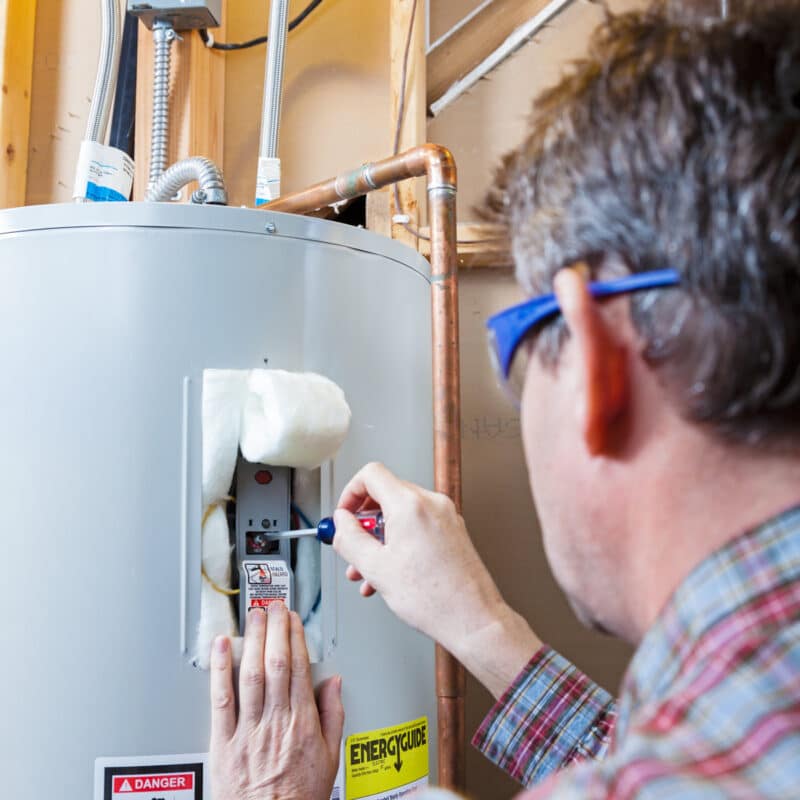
{"points": [[661, 423]]}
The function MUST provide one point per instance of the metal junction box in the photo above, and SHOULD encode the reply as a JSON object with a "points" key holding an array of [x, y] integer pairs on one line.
{"points": [[183, 15]]}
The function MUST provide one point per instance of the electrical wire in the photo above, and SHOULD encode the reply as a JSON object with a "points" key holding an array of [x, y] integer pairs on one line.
{"points": [[206, 514], [401, 113], [209, 41], [303, 518]]}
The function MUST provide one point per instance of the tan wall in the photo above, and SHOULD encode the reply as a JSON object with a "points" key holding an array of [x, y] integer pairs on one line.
{"points": [[335, 116], [336, 106]]}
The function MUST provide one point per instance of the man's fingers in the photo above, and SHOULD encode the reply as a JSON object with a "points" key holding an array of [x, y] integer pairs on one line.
{"points": [[353, 543], [223, 704], [331, 715], [353, 574], [301, 691], [366, 588], [251, 674], [373, 481], [277, 658]]}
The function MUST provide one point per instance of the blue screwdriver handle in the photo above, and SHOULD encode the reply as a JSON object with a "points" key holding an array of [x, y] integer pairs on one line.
{"points": [[371, 522]]}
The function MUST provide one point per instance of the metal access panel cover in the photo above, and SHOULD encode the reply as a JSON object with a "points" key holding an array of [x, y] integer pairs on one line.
{"points": [[181, 14]]}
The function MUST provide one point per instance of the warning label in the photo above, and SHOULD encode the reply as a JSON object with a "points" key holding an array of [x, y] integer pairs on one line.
{"points": [[268, 581], [146, 784], [387, 764], [145, 781]]}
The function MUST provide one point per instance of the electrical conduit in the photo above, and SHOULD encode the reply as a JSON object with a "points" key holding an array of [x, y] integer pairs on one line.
{"points": [[195, 168], [163, 37]]}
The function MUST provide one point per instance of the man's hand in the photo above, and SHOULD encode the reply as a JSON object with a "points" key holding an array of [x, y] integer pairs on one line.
{"points": [[282, 744], [430, 574]]}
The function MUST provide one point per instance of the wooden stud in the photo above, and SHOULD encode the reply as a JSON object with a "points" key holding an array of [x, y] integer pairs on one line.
{"points": [[480, 245], [379, 211], [197, 102], [414, 129], [205, 111], [17, 26]]}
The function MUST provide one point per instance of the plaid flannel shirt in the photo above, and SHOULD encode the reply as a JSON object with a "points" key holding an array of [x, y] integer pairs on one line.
{"points": [[710, 705]]}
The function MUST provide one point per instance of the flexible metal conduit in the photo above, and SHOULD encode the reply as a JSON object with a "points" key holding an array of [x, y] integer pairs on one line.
{"points": [[203, 170], [163, 36], [105, 82], [437, 165], [273, 78]]}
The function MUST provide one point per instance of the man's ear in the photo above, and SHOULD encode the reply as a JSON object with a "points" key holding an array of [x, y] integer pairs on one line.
{"points": [[602, 363]]}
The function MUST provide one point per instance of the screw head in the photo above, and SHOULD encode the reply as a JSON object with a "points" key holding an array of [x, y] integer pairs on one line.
{"points": [[270, 227]]}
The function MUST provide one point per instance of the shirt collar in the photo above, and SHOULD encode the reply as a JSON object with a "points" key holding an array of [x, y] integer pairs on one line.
{"points": [[724, 588]]}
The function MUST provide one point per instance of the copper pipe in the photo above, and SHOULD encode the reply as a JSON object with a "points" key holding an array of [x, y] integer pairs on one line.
{"points": [[437, 165]]}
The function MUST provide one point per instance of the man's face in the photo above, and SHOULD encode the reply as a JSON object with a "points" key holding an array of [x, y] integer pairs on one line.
{"points": [[572, 493]]}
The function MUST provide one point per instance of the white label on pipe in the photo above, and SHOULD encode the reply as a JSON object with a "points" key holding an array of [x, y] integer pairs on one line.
{"points": [[103, 173], [268, 181]]}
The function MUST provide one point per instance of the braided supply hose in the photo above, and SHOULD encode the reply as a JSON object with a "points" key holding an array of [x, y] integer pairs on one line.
{"points": [[273, 78], [107, 67]]}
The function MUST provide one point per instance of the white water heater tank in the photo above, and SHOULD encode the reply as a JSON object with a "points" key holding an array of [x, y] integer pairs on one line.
{"points": [[109, 314]]}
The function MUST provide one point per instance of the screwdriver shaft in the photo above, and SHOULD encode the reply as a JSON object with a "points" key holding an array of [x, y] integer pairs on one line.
{"points": [[298, 534]]}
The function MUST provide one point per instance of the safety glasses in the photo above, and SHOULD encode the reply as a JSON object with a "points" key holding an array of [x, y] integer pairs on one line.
{"points": [[508, 329]]}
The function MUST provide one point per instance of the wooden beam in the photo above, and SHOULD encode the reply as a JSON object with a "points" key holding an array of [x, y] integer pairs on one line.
{"points": [[197, 102], [496, 31], [414, 126], [17, 26], [480, 246]]}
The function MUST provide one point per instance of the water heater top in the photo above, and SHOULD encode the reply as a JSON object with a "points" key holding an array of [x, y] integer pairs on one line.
{"points": [[217, 218]]}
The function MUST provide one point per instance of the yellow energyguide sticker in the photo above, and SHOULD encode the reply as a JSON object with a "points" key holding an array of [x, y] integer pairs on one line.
{"points": [[388, 763]]}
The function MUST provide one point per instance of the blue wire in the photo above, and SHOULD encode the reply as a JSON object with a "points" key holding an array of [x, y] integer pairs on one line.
{"points": [[303, 518]]}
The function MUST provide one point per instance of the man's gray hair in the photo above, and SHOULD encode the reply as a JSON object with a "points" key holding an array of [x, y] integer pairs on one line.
{"points": [[676, 144]]}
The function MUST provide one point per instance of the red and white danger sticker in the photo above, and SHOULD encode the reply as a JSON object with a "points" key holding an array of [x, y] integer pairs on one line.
{"points": [[146, 784], [125, 779]]}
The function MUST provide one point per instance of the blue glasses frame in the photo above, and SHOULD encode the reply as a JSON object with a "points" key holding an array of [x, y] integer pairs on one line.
{"points": [[508, 328]]}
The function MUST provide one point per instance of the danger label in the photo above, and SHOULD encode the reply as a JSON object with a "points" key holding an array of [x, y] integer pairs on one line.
{"points": [[268, 581], [130, 784], [388, 763], [154, 782]]}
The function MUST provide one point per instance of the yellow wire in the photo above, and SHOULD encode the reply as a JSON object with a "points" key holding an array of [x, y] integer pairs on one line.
{"points": [[213, 584]]}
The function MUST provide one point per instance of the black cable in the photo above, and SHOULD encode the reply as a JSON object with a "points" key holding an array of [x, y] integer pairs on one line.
{"points": [[260, 39], [123, 120]]}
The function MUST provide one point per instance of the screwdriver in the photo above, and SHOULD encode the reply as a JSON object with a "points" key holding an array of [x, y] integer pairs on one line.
{"points": [[371, 522]]}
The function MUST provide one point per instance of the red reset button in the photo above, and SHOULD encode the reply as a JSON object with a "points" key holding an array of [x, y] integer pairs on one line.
{"points": [[263, 476]]}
